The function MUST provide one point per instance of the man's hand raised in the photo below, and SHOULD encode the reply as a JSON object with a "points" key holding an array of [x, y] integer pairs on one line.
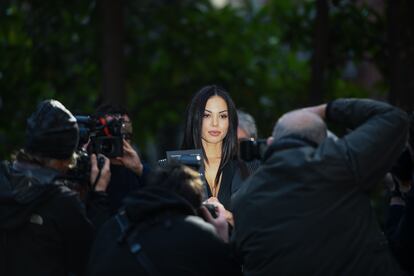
{"points": [[130, 159]]}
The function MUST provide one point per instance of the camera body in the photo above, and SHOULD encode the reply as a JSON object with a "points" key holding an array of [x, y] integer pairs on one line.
{"points": [[190, 158], [102, 136], [251, 149], [80, 174]]}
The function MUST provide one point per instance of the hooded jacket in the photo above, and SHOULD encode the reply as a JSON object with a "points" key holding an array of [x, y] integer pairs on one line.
{"points": [[43, 225], [306, 210], [172, 237]]}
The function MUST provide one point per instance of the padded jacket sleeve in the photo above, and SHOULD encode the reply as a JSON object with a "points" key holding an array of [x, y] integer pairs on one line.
{"points": [[378, 136]]}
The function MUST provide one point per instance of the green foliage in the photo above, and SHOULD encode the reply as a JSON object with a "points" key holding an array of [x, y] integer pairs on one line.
{"points": [[177, 50], [172, 49], [48, 51]]}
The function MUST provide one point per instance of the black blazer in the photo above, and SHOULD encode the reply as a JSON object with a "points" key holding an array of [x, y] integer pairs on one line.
{"points": [[234, 173]]}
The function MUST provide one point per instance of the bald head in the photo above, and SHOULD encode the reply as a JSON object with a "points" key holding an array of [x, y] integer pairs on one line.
{"points": [[302, 123]]}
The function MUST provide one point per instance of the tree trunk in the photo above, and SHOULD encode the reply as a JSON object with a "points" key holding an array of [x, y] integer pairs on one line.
{"points": [[400, 15], [112, 37], [320, 56]]}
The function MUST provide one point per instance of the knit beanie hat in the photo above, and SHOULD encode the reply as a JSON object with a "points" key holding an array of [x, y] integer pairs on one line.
{"points": [[52, 131]]}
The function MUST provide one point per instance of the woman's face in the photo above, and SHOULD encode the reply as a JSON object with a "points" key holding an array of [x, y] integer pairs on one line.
{"points": [[215, 120]]}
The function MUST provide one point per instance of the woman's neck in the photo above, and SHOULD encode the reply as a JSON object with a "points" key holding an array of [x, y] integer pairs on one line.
{"points": [[213, 151]]}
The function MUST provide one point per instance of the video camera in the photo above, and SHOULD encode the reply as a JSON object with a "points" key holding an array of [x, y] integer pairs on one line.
{"points": [[251, 149], [101, 136], [190, 158], [104, 136]]}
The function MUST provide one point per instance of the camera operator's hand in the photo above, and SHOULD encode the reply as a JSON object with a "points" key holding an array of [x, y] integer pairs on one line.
{"points": [[100, 177], [220, 223], [228, 215], [130, 159]]}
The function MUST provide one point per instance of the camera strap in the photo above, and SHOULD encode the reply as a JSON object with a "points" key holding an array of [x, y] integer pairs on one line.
{"points": [[134, 246]]}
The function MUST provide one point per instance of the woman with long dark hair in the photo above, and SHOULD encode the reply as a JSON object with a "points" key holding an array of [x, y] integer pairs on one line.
{"points": [[211, 125]]}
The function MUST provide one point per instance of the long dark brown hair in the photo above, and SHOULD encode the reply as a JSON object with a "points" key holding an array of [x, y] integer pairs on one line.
{"points": [[194, 120]]}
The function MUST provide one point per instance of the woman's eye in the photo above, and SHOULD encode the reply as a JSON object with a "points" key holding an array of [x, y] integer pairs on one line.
{"points": [[206, 115], [223, 116]]}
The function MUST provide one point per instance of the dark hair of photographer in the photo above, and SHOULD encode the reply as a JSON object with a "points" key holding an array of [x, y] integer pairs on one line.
{"points": [[110, 109], [182, 180], [161, 220], [117, 112]]}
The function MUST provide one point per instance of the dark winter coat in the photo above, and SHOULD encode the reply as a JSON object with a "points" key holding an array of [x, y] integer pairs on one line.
{"points": [[44, 229], [173, 239], [306, 210]]}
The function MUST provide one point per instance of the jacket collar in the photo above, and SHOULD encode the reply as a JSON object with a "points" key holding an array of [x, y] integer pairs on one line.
{"points": [[288, 142], [43, 174]]}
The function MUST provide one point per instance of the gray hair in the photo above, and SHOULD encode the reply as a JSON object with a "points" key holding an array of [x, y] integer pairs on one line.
{"points": [[301, 123], [247, 123]]}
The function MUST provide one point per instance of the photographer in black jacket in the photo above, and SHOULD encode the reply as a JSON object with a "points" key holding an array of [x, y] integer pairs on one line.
{"points": [[159, 232], [306, 210], [44, 229]]}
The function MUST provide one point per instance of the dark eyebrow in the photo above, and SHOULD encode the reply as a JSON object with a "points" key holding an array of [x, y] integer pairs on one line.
{"points": [[212, 112]]}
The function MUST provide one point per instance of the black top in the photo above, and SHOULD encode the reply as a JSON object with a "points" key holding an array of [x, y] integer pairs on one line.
{"points": [[234, 173]]}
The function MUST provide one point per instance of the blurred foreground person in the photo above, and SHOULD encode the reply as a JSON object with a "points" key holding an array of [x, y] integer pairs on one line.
{"points": [[159, 232], [44, 229], [307, 210]]}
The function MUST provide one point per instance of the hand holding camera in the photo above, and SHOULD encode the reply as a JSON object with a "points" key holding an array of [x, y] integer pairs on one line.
{"points": [[211, 208], [220, 222], [106, 137], [130, 159]]}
